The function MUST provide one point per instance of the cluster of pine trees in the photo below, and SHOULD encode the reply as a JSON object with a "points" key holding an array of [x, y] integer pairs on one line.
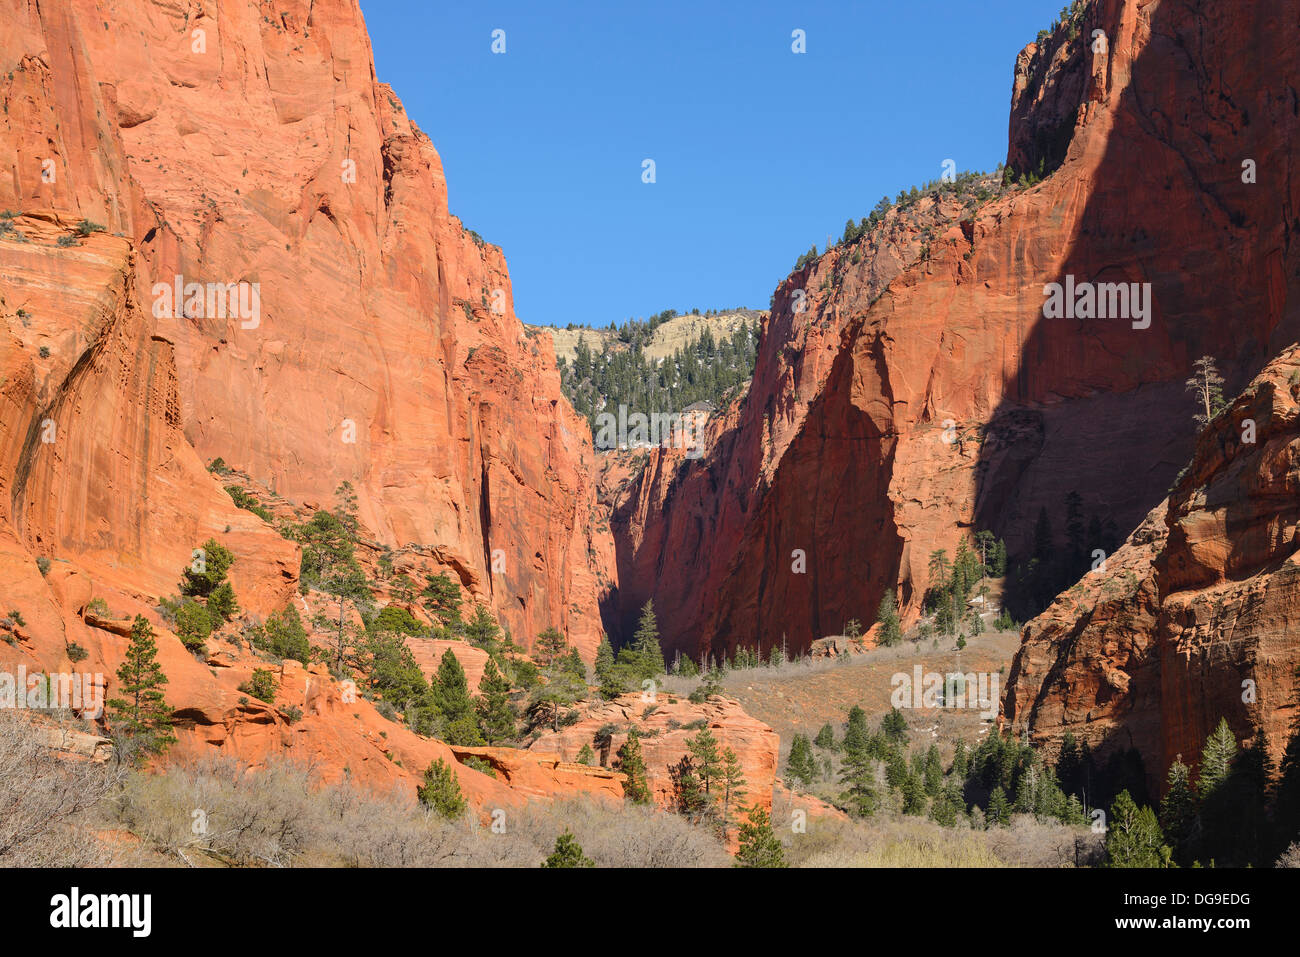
{"points": [[707, 369], [1236, 813], [953, 582], [1048, 570], [974, 185], [980, 787]]}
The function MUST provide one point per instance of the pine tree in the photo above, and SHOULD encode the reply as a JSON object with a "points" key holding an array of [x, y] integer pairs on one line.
{"points": [[496, 715], [891, 631], [482, 630], [140, 711], [707, 760], [855, 733], [1133, 837], [442, 600], [799, 765], [933, 771], [645, 642], [568, 853], [731, 789], [999, 812], [1218, 816], [609, 677], [632, 765], [441, 791], [1178, 814], [894, 726], [826, 738], [551, 644], [913, 792], [1207, 386], [451, 691], [759, 845], [688, 798], [1248, 790], [858, 775]]}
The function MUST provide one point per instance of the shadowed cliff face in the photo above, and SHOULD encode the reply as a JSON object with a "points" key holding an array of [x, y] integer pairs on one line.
{"points": [[233, 147], [1195, 617], [948, 402]]}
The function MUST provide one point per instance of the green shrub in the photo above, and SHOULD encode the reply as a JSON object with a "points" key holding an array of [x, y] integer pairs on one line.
{"points": [[441, 791], [43, 565], [284, 636], [261, 685], [193, 626]]}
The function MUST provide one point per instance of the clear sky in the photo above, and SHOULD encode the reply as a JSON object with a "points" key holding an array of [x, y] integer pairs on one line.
{"points": [[759, 152]]}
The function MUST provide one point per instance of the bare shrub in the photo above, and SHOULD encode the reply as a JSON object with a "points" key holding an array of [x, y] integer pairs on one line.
{"points": [[1029, 842], [218, 811], [46, 797], [625, 835], [889, 841], [1290, 857]]}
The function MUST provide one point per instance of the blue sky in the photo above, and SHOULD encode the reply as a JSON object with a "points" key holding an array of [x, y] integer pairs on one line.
{"points": [[759, 152]]}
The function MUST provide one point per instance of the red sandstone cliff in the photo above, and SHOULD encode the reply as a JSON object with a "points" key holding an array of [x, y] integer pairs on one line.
{"points": [[219, 144], [228, 145], [1195, 618], [840, 449]]}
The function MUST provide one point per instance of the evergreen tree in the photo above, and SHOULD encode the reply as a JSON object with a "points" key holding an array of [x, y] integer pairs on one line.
{"points": [[609, 676], [632, 765], [1133, 837], [496, 715], [441, 598], [858, 775], [1248, 794], [826, 738], [960, 759], [482, 631], [1207, 386], [759, 845], [1218, 815], [856, 734], [645, 643], [894, 726], [913, 792], [933, 771], [891, 631], [999, 812], [451, 695], [140, 711], [707, 760], [688, 798], [799, 765], [207, 572], [551, 644], [1178, 814], [568, 853], [441, 791], [731, 789]]}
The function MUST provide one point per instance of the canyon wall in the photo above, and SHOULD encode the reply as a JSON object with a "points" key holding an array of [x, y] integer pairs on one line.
{"points": [[1195, 618], [884, 422], [231, 145]]}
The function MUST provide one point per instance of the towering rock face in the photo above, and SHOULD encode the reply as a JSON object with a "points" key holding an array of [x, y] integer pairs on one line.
{"points": [[882, 425], [1195, 618], [231, 145]]}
